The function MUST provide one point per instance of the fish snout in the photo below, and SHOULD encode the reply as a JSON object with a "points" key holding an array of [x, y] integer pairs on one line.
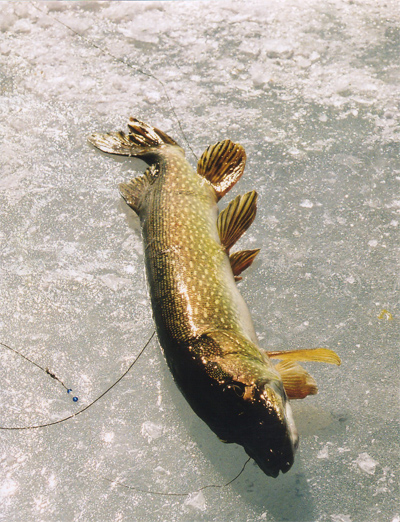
{"points": [[273, 456], [273, 440]]}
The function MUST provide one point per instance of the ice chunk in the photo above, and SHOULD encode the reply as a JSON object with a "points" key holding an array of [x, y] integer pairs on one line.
{"points": [[8, 488], [108, 437], [324, 453], [341, 518], [366, 463], [196, 501], [151, 430], [114, 282], [306, 203]]}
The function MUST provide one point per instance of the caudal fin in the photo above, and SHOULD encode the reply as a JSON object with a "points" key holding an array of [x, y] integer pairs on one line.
{"points": [[141, 140]]}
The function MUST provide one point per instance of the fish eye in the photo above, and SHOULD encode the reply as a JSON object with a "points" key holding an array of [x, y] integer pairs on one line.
{"points": [[237, 388]]}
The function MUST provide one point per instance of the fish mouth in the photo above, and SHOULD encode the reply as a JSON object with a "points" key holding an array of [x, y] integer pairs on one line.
{"points": [[272, 461], [275, 454]]}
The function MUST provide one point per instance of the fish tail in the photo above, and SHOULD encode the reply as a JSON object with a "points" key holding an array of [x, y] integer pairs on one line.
{"points": [[142, 140]]}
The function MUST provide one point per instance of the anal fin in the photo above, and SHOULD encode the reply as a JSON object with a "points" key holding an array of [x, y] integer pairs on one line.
{"points": [[297, 382], [236, 218], [133, 191], [222, 165], [242, 260]]}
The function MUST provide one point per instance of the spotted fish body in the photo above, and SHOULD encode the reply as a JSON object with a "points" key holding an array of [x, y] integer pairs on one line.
{"points": [[203, 323], [191, 282]]}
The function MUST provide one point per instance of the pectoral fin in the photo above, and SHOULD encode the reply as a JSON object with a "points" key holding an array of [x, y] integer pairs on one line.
{"points": [[236, 218], [297, 382], [312, 354], [222, 165], [242, 260]]}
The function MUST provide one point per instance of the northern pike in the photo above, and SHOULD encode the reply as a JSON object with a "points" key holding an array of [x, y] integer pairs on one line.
{"points": [[203, 324]]}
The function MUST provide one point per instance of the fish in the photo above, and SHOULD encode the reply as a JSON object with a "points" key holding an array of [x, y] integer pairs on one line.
{"points": [[203, 323]]}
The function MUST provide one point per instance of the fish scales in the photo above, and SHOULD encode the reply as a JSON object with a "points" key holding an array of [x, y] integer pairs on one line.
{"points": [[203, 324], [191, 282], [192, 288]]}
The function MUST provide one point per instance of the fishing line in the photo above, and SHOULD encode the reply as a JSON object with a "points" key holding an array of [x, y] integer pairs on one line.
{"points": [[64, 419], [46, 370], [179, 494], [128, 64], [53, 423]]}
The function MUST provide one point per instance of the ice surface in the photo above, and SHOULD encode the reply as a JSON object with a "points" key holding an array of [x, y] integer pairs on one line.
{"points": [[311, 89]]}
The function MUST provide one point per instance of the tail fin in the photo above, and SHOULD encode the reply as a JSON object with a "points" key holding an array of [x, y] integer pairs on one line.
{"points": [[142, 140]]}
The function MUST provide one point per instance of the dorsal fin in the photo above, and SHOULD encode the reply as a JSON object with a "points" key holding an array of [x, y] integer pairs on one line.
{"points": [[133, 191], [222, 165], [242, 260], [236, 218]]}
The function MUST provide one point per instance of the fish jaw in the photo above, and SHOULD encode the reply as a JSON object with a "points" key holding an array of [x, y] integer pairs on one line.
{"points": [[267, 430], [273, 442], [240, 396]]}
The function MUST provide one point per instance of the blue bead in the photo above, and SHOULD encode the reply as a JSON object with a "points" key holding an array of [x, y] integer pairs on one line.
{"points": [[75, 399], [69, 390]]}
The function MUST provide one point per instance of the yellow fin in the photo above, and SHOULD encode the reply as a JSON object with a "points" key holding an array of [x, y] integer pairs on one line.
{"points": [[222, 165], [242, 260], [311, 354], [236, 218], [297, 382]]}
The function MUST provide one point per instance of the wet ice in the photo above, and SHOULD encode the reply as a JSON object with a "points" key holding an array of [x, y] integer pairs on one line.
{"points": [[311, 91]]}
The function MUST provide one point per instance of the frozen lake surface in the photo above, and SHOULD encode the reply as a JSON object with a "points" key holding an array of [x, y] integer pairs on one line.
{"points": [[312, 91]]}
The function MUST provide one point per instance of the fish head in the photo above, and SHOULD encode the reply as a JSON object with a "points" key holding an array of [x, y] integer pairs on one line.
{"points": [[243, 400], [264, 425]]}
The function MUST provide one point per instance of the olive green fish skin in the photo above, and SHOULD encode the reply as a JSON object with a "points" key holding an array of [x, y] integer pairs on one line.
{"points": [[191, 283], [202, 322]]}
